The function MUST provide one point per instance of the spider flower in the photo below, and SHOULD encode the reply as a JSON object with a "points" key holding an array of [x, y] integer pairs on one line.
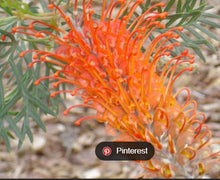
{"points": [[113, 66]]}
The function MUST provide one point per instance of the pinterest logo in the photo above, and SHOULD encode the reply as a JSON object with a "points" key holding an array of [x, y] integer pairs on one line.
{"points": [[106, 151]]}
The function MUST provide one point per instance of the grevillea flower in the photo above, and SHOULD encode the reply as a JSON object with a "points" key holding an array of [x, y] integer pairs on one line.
{"points": [[104, 61]]}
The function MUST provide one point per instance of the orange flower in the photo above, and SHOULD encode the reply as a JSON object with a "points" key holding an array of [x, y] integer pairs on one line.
{"points": [[105, 62]]}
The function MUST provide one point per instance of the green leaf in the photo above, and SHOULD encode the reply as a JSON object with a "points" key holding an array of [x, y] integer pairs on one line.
{"points": [[13, 113], [27, 129], [185, 6], [4, 110], [41, 105], [36, 118], [193, 19], [199, 53], [7, 20], [206, 31], [199, 36], [210, 15], [169, 5], [206, 21], [193, 3], [14, 127], [5, 136], [174, 19], [21, 93], [179, 5], [147, 4], [1, 89]]}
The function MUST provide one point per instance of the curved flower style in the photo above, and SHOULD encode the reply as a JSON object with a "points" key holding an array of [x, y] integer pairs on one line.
{"points": [[105, 62]]}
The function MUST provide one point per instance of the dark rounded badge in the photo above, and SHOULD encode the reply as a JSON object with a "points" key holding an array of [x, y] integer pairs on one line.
{"points": [[124, 151]]}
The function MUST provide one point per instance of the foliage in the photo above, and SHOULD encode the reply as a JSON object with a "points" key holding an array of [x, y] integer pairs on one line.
{"points": [[194, 16], [16, 85]]}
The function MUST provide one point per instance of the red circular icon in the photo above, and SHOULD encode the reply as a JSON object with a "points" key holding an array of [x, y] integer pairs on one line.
{"points": [[106, 151]]}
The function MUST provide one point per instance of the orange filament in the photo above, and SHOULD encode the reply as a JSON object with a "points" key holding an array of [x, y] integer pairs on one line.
{"points": [[165, 171], [58, 92], [201, 168], [66, 112], [171, 145], [150, 166], [77, 123], [189, 152]]}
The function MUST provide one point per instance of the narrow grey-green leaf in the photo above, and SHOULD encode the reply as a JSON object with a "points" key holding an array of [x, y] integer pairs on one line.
{"points": [[4, 110], [36, 118], [199, 36], [206, 31], [40, 104], [179, 5], [199, 53], [5, 138], [13, 126], [1, 89], [210, 23], [210, 15], [193, 3], [169, 5]]}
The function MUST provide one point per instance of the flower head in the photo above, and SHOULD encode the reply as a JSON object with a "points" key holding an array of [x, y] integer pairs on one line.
{"points": [[105, 62]]}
